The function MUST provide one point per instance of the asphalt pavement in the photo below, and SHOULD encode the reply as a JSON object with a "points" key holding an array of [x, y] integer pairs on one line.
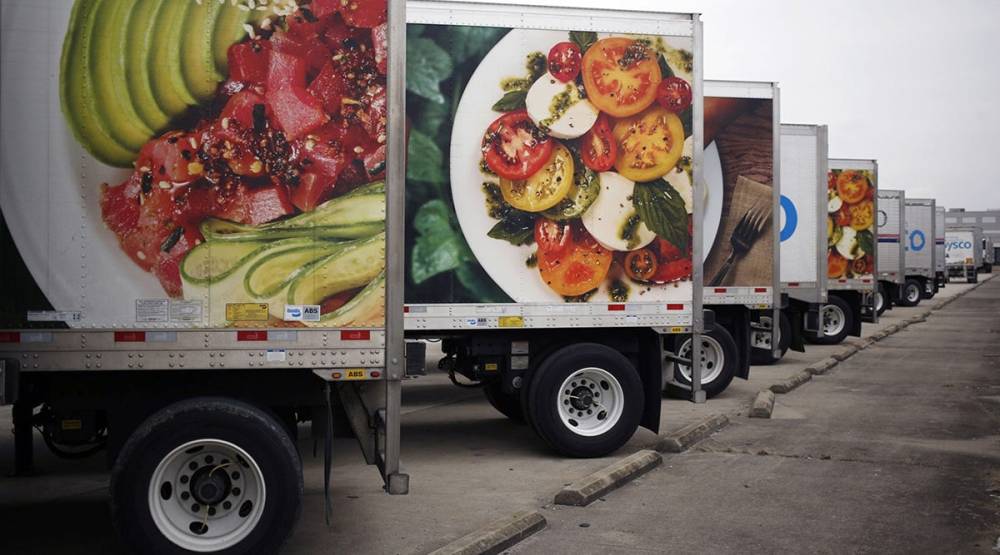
{"points": [[888, 449]]}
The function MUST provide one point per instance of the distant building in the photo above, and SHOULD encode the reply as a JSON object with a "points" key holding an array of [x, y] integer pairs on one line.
{"points": [[989, 220]]}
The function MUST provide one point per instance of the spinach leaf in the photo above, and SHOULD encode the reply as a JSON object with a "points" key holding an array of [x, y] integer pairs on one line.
{"points": [[866, 241], [464, 43], [583, 39], [481, 288], [427, 64], [430, 116], [513, 100], [516, 227], [439, 246], [661, 208], [424, 160]]}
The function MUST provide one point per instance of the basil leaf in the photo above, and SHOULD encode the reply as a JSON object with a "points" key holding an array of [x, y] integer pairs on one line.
{"points": [[661, 208], [427, 64], [439, 247], [464, 43], [583, 39], [664, 66], [866, 241], [516, 227], [513, 100], [687, 120], [424, 160], [481, 289]]}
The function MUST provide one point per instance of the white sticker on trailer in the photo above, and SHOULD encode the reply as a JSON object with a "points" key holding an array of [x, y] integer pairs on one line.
{"points": [[302, 313], [54, 316], [275, 355], [152, 310], [186, 311]]}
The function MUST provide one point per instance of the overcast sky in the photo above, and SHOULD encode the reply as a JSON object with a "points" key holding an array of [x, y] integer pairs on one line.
{"points": [[912, 83]]}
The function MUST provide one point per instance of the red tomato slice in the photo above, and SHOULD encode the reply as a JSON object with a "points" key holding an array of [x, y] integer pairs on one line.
{"points": [[553, 237], [363, 13], [564, 61], [599, 148], [514, 148], [675, 270], [674, 94]]}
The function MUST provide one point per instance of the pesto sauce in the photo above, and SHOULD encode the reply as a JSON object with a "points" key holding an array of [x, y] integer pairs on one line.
{"points": [[618, 291], [628, 231], [496, 206], [535, 66], [532, 260], [580, 298], [560, 103]]}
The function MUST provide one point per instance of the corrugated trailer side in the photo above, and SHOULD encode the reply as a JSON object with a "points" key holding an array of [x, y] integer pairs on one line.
{"points": [[891, 248]]}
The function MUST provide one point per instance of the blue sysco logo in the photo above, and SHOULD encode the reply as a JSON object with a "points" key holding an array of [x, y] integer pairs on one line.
{"points": [[791, 217], [917, 240]]}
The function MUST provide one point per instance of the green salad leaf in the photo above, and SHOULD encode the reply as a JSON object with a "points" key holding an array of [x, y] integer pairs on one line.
{"points": [[866, 241], [479, 285], [513, 100], [424, 160], [427, 65], [439, 246], [583, 39], [516, 227], [471, 42], [661, 208]]}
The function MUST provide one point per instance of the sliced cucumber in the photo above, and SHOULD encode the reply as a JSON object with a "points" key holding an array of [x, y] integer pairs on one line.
{"points": [[583, 193], [212, 261], [353, 267], [367, 308], [270, 274]]}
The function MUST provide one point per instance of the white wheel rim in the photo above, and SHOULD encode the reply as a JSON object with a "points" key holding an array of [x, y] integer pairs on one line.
{"points": [[229, 505], [833, 320], [878, 300], [713, 360], [591, 402], [912, 293]]}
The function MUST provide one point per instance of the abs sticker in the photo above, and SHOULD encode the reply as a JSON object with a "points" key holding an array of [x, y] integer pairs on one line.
{"points": [[302, 313]]}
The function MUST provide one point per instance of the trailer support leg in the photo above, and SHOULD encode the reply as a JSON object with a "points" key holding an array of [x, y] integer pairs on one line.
{"points": [[24, 449]]}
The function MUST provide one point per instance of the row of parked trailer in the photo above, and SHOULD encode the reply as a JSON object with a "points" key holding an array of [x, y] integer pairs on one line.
{"points": [[194, 262]]}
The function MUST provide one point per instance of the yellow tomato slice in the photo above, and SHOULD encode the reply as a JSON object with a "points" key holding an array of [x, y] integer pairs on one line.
{"points": [[580, 269], [649, 144], [862, 215], [620, 76], [543, 189]]}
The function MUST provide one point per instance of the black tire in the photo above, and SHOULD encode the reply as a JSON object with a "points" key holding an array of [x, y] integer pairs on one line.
{"points": [[973, 279], [509, 404], [881, 299], [831, 337], [766, 357], [543, 393], [719, 383], [912, 292], [254, 431]]}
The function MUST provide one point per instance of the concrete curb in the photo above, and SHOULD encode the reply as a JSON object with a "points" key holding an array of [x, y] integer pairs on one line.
{"points": [[791, 382], [845, 353], [585, 491], [763, 404], [497, 536], [682, 439], [822, 366]]}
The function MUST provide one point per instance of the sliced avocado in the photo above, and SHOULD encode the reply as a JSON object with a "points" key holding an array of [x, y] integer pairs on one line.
{"points": [[350, 268], [107, 69], [228, 31], [197, 56], [76, 90], [367, 308], [139, 26], [164, 64]]}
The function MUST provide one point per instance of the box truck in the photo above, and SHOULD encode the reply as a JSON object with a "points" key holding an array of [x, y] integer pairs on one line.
{"points": [[555, 215], [742, 194], [940, 271], [920, 257], [963, 252], [989, 255], [852, 206], [802, 232], [891, 253], [196, 251]]}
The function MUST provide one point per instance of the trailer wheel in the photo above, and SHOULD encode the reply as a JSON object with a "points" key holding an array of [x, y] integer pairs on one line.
{"points": [[912, 291], [207, 475], [880, 298], [784, 336], [585, 400], [836, 321], [974, 278], [719, 357], [509, 404]]}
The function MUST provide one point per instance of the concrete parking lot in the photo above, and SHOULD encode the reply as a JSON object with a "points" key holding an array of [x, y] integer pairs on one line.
{"points": [[892, 451]]}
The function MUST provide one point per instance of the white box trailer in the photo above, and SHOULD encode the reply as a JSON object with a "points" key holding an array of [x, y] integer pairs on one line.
{"points": [[920, 253], [963, 252], [852, 206], [803, 231], [989, 255], [560, 278], [743, 185], [940, 270], [194, 260], [891, 252]]}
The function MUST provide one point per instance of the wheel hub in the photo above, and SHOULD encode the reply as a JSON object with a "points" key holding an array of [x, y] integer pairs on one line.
{"points": [[591, 401], [581, 398], [210, 485]]}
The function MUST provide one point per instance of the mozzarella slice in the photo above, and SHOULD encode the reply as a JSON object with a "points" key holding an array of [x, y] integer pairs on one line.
{"points": [[847, 243], [558, 109], [834, 204], [608, 218]]}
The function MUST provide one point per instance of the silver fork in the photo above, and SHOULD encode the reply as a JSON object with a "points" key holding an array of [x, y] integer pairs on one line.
{"points": [[744, 235]]}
